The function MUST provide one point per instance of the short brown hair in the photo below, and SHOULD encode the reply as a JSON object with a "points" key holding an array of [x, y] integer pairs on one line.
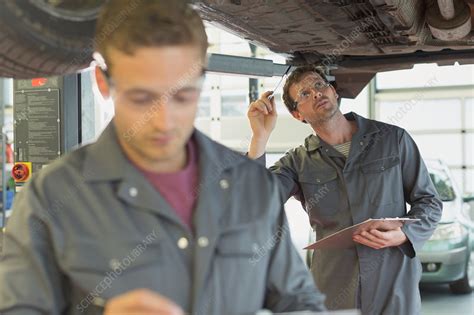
{"points": [[295, 77], [129, 24]]}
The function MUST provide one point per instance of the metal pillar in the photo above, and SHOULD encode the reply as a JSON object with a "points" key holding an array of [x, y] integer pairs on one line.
{"points": [[372, 89], [6, 98], [253, 82]]}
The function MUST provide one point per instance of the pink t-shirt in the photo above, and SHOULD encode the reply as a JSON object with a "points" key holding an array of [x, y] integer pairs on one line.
{"points": [[179, 188]]}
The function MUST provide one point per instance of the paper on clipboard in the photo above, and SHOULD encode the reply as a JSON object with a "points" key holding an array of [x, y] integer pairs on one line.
{"points": [[343, 238]]}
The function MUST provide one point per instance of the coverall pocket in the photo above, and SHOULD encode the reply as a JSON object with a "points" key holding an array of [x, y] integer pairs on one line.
{"points": [[89, 256], [239, 241], [322, 193], [234, 248], [383, 180], [242, 257], [113, 270]]}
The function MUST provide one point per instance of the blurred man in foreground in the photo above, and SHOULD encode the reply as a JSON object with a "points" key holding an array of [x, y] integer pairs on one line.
{"points": [[153, 218]]}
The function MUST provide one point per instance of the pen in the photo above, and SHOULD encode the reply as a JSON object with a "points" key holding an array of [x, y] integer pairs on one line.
{"points": [[279, 82]]}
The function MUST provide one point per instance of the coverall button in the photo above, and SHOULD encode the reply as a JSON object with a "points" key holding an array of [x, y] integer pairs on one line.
{"points": [[203, 241], [133, 191], [224, 184], [183, 243], [114, 264], [98, 301]]}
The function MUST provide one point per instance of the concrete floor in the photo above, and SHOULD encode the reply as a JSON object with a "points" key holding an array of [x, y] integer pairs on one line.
{"points": [[438, 300]]}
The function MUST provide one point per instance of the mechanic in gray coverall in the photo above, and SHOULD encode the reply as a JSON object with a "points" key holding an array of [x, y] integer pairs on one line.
{"points": [[352, 169], [155, 217]]}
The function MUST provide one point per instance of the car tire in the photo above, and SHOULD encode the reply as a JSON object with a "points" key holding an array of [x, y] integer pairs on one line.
{"points": [[463, 286], [39, 39]]}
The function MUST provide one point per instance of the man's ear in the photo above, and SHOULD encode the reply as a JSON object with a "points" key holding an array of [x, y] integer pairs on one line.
{"points": [[297, 115], [338, 99], [102, 82]]}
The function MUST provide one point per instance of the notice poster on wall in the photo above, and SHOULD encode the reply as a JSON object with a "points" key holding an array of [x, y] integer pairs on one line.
{"points": [[37, 123]]}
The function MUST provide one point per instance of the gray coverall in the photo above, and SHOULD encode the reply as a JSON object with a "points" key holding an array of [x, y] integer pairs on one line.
{"points": [[383, 172], [90, 227]]}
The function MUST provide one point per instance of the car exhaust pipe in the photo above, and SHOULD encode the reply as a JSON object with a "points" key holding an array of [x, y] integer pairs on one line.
{"points": [[448, 20], [446, 8]]}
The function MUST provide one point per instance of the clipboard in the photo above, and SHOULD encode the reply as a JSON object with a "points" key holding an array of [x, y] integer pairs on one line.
{"points": [[343, 238]]}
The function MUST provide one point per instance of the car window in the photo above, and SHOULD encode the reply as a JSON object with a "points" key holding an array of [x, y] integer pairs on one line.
{"points": [[443, 185]]}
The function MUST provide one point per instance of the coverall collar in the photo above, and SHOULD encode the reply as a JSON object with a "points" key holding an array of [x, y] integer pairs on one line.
{"points": [[364, 127]]}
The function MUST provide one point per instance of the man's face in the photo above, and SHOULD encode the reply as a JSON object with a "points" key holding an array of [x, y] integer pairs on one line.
{"points": [[316, 100], [156, 92]]}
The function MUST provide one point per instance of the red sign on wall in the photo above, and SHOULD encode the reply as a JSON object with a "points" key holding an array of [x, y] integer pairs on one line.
{"points": [[36, 82]]}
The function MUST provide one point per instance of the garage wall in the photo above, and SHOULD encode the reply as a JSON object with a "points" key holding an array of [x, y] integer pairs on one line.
{"points": [[436, 105]]}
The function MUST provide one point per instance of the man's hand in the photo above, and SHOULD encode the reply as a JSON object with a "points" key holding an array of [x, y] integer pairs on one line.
{"points": [[262, 115], [141, 302], [378, 239]]}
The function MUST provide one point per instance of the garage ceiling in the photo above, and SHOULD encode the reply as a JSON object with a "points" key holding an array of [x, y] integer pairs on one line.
{"points": [[356, 39]]}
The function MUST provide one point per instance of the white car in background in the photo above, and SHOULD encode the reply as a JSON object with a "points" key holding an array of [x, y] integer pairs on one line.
{"points": [[447, 257]]}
